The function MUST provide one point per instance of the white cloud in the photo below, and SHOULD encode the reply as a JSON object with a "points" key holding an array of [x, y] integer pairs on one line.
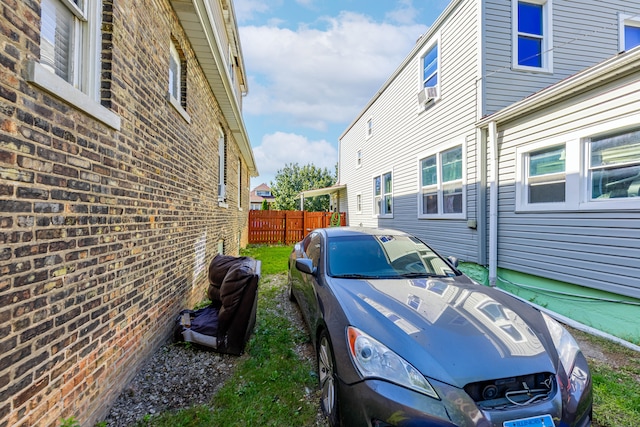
{"points": [[325, 73], [278, 149]]}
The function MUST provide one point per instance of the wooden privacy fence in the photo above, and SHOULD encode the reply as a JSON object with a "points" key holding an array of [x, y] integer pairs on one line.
{"points": [[288, 227]]}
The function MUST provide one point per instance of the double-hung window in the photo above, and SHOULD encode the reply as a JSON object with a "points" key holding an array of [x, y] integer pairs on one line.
{"points": [[546, 175], [222, 168], [69, 64], [358, 158], [614, 166], [383, 195], [532, 39], [429, 75], [177, 93], [441, 177], [430, 68], [369, 128], [629, 32]]}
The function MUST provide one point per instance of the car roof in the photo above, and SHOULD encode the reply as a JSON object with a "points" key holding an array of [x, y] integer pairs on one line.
{"points": [[354, 231]]}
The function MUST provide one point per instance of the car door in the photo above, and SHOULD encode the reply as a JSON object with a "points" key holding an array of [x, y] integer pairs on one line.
{"points": [[307, 292]]}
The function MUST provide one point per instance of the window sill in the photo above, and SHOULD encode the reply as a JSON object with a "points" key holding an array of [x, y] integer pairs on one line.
{"points": [[176, 105], [443, 216], [49, 82], [223, 204], [536, 70]]}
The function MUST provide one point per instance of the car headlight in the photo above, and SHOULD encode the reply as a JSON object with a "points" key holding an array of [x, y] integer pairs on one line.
{"points": [[375, 360], [566, 346]]}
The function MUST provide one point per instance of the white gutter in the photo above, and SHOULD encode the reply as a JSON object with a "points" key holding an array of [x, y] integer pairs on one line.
{"points": [[493, 205]]}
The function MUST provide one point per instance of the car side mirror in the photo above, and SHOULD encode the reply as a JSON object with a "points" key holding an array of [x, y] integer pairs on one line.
{"points": [[305, 265], [453, 261]]}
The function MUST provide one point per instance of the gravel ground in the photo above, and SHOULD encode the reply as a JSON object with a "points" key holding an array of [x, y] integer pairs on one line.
{"points": [[179, 376]]}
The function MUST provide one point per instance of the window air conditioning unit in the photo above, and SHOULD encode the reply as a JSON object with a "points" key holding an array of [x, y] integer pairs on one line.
{"points": [[427, 94]]}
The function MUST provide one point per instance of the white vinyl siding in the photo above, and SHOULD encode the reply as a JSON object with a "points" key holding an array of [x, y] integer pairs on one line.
{"points": [[401, 132]]}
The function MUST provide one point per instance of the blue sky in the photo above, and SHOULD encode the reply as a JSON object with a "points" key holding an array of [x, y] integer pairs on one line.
{"points": [[313, 65]]}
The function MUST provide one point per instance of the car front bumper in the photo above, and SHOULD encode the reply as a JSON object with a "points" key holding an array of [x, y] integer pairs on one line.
{"points": [[379, 403]]}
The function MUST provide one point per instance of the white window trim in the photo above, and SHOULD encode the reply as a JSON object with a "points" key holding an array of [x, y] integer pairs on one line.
{"points": [[368, 131], [222, 191], [359, 203], [547, 37], [358, 159], [439, 150], [434, 41], [576, 169], [373, 193], [86, 99], [175, 103], [239, 183], [623, 21]]}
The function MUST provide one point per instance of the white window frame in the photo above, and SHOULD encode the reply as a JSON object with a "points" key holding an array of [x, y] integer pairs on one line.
{"points": [[547, 37], [359, 203], [578, 184], [175, 91], [369, 129], [358, 159], [222, 191], [382, 194], [83, 89], [626, 21], [239, 183], [439, 186], [434, 42]]}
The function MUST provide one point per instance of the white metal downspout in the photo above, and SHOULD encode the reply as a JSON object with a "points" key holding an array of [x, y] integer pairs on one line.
{"points": [[493, 206]]}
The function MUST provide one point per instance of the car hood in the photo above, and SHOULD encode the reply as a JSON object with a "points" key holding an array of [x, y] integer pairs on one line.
{"points": [[450, 328]]}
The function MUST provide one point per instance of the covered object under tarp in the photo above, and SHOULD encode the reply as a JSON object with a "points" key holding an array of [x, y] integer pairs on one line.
{"points": [[227, 323]]}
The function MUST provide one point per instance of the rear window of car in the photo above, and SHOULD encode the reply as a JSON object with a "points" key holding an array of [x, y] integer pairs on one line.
{"points": [[384, 256]]}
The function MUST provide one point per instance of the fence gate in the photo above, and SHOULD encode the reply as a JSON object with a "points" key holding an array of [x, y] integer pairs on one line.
{"points": [[286, 227]]}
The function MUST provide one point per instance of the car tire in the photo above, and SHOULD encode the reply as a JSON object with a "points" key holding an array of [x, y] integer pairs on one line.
{"points": [[328, 379], [290, 295]]}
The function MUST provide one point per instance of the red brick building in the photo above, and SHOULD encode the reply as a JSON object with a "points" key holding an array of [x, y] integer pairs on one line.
{"points": [[124, 168]]}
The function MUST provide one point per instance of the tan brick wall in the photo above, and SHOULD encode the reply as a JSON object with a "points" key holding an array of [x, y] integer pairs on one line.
{"points": [[104, 234]]}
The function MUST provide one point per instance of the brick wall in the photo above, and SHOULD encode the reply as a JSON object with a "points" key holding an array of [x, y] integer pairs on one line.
{"points": [[104, 233]]}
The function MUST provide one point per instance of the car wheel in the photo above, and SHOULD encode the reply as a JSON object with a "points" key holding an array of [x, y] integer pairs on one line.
{"points": [[290, 295], [327, 378]]}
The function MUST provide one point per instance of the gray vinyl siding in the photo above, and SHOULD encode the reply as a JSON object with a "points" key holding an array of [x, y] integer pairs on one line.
{"points": [[584, 33], [597, 249]]}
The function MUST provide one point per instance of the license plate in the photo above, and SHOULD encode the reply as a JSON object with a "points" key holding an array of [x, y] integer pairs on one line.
{"points": [[539, 421]]}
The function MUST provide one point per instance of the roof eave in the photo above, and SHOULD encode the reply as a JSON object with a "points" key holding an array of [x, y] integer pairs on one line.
{"points": [[196, 18]]}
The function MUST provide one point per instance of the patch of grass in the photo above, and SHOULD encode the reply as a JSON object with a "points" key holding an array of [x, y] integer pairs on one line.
{"points": [[273, 258], [616, 382], [272, 385], [616, 395]]}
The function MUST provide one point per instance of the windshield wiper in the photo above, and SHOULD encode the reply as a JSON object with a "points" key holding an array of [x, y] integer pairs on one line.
{"points": [[412, 275], [355, 276]]}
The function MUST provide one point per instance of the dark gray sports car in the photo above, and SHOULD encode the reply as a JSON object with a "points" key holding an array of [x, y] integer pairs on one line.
{"points": [[404, 339]]}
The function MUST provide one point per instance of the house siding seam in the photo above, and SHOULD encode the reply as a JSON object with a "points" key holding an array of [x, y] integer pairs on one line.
{"points": [[106, 234]]}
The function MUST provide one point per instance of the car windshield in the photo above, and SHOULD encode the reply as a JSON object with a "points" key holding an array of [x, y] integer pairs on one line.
{"points": [[384, 256]]}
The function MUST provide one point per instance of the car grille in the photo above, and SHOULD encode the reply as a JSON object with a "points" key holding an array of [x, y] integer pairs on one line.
{"points": [[509, 392]]}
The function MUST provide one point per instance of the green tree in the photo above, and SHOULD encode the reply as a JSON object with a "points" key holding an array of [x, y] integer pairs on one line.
{"points": [[265, 205], [292, 179]]}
